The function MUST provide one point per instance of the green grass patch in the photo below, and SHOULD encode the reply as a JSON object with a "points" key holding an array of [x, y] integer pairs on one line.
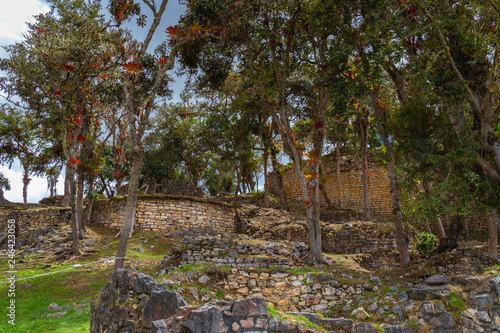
{"points": [[63, 288], [455, 302], [281, 316]]}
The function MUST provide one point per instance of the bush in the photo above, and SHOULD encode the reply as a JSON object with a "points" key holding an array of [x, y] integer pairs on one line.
{"points": [[425, 243]]}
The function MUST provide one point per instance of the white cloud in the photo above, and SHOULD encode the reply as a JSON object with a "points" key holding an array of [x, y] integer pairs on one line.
{"points": [[37, 188], [14, 16]]}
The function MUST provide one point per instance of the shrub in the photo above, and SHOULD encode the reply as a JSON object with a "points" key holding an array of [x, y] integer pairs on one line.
{"points": [[425, 243]]}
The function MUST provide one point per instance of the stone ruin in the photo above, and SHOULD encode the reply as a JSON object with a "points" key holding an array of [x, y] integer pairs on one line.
{"points": [[135, 302]]}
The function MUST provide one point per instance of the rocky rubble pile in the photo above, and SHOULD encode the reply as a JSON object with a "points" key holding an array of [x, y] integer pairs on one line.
{"points": [[237, 251], [472, 304], [134, 302]]}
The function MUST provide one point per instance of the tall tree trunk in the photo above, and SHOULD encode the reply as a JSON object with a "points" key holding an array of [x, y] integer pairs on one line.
{"points": [[402, 239], [67, 188], [26, 181], [339, 195], [281, 188], [70, 169], [466, 231], [323, 189], [493, 231], [90, 200], [130, 207], [79, 203], [363, 124], [454, 231], [440, 231], [266, 180]]}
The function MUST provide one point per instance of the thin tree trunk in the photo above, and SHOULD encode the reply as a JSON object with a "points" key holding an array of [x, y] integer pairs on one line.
{"points": [[466, 231], [130, 207], [281, 188], [440, 231], [323, 189], [454, 231], [26, 181], [266, 180], [339, 195], [90, 200], [67, 188], [74, 221], [402, 239], [493, 231], [363, 122], [79, 203]]}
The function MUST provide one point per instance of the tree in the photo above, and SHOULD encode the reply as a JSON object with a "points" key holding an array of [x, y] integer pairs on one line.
{"points": [[56, 72], [144, 79]]}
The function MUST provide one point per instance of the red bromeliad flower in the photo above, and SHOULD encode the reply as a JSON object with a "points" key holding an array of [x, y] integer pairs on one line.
{"points": [[173, 31], [57, 93], [104, 76], [68, 67], [161, 61], [78, 121], [74, 161], [132, 67], [81, 138], [132, 70]]}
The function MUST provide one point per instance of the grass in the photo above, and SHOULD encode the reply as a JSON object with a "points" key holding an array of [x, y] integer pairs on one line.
{"points": [[281, 316], [63, 288], [455, 302], [72, 286]]}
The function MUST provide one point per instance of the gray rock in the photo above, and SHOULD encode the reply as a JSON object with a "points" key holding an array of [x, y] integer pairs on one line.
{"points": [[364, 328], [430, 309], [382, 310], [373, 307], [495, 285], [276, 326], [53, 306], [337, 323], [403, 297], [422, 292], [444, 320], [396, 329], [161, 305], [55, 315], [250, 307], [312, 317], [158, 326], [483, 301], [397, 310], [437, 280], [143, 284], [206, 319], [360, 314]]}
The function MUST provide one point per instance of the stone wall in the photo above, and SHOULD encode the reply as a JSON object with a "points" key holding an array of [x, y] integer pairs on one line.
{"points": [[167, 214], [236, 251], [293, 292], [30, 220], [348, 238], [351, 187]]}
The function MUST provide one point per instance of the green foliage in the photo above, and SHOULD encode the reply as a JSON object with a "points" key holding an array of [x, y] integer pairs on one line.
{"points": [[455, 301], [425, 243]]}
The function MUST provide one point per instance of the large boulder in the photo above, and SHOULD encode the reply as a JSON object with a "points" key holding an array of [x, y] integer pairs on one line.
{"points": [[130, 302]]}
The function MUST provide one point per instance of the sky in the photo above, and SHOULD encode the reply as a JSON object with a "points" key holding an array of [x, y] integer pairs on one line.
{"points": [[13, 19]]}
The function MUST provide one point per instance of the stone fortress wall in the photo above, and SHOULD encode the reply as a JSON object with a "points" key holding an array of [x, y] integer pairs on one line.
{"points": [[167, 214], [351, 192]]}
